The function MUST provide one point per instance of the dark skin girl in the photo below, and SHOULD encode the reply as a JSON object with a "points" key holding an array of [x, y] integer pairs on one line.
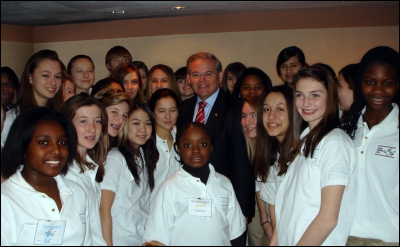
{"points": [[45, 156], [379, 85], [195, 147]]}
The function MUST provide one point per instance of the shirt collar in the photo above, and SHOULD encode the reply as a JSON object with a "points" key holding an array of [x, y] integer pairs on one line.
{"points": [[76, 168], [305, 132], [186, 177], [390, 122], [210, 100], [20, 184], [158, 139]]}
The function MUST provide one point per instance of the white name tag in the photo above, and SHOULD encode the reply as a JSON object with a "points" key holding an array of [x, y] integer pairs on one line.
{"points": [[385, 151], [200, 207], [49, 232]]}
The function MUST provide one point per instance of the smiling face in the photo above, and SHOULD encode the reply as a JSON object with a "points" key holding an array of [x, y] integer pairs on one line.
{"points": [[249, 120], [345, 94], [251, 86], [165, 113], [117, 116], [204, 87], [195, 147], [47, 152], [88, 125], [275, 116], [379, 85], [131, 84], [289, 69], [82, 73], [185, 89], [139, 128], [311, 98], [158, 80], [46, 81]]}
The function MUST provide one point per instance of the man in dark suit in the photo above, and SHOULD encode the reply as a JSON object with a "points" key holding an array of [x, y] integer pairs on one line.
{"points": [[222, 116]]}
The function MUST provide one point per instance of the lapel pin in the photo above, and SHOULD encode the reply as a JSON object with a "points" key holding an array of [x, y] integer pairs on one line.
{"points": [[216, 114]]}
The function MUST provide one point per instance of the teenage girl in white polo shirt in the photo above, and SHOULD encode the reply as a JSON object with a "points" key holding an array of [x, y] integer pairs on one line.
{"points": [[315, 202], [38, 206], [279, 125], [87, 170], [196, 205], [41, 83], [164, 104], [129, 180], [374, 128]]}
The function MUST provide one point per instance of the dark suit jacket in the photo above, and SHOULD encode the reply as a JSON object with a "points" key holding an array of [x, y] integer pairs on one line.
{"points": [[229, 155]]}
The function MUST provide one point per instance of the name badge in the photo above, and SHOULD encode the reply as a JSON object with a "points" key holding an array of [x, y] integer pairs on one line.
{"points": [[49, 232], [200, 207], [385, 151]]}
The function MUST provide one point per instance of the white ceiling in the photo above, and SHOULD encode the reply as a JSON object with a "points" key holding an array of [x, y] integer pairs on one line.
{"points": [[42, 13]]}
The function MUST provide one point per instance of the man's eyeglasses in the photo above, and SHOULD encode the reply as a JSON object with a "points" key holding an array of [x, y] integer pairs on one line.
{"points": [[7, 85], [207, 75]]}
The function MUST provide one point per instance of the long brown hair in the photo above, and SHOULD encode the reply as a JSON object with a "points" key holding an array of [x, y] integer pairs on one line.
{"points": [[122, 70], [26, 97], [330, 119], [99, 152], [173, 85], [267, 147]]}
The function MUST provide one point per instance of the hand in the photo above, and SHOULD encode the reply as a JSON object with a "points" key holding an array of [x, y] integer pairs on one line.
{"points": [[267, 227]]}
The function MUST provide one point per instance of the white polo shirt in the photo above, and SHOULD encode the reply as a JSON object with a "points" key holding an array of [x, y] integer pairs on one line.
{"points": [[167, 163], [92, 188], [298, 198], [269, 188], [22, 207], [11, 115], [377, 214], [131, 203], [169, 220]]}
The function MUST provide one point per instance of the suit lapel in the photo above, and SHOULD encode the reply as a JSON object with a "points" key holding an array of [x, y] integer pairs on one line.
{"points": [[217, 112], [191, 104]]}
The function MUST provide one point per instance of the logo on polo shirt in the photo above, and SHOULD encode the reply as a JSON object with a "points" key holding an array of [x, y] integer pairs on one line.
{"points": [[385, 151]]}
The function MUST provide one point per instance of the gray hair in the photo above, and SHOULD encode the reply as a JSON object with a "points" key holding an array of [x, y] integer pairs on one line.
{"points": [[204, 55]]}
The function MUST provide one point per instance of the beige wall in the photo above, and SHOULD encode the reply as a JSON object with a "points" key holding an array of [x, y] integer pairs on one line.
{"points": [[334, 46], [15, 55], [334, 36]]}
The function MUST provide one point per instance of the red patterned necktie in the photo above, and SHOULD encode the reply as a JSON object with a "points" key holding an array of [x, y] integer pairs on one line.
{"points": [[200, 117]]}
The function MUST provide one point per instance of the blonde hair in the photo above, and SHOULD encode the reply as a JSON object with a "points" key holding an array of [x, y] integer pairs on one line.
{"points": [[108, 98], [254, 103]]}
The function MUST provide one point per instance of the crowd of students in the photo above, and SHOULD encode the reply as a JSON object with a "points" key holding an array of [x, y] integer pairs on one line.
{"points": [[200, 156]]}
